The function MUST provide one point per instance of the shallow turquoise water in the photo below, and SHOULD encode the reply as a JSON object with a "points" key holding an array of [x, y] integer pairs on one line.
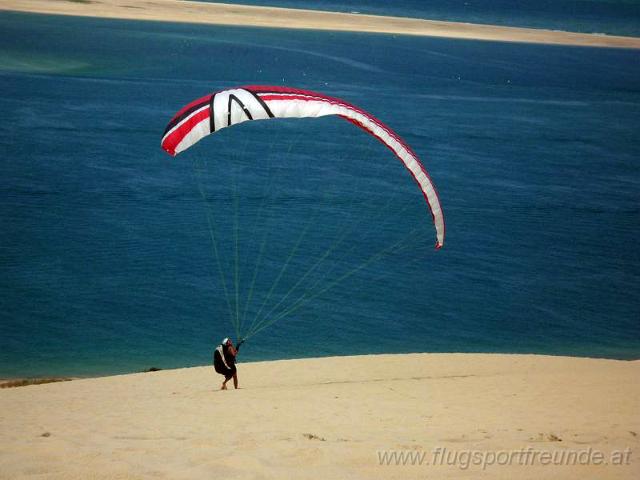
{"points": [[105, 248]]}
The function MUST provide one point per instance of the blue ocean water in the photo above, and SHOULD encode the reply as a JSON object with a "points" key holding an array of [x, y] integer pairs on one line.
{"points": [[614, 17], [106, 249]]}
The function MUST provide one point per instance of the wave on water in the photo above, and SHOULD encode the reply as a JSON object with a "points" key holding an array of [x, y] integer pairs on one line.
{"points": [[471, 98], [15, 62]]}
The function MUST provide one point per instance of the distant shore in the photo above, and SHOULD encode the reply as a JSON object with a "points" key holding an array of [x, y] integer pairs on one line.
{"points": [[338, 417], [244, 15]]}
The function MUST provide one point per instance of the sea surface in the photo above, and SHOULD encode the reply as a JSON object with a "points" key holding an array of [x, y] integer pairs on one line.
{"points": [[115, 257]]}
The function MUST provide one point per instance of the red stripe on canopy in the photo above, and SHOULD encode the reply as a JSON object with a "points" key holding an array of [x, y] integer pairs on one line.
{"points": [[172, 140]]}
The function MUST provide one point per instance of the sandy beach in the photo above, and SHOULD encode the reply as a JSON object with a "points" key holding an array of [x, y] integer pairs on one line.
{"points": [[225, 14], [461, 415]]}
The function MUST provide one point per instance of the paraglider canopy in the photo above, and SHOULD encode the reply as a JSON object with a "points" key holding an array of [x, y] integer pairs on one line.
{"points": [[225, 108]]}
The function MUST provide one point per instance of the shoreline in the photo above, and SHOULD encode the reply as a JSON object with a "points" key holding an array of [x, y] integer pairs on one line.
{"points": [[8, 381], [329, 417], [275, 17], [61, 377]]}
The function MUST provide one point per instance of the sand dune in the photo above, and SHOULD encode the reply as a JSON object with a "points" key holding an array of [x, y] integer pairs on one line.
{"points": [[225, 14], [332, 418]]}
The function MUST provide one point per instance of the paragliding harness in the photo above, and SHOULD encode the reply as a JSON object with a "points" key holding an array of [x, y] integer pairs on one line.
{"points": [[222, 364]]}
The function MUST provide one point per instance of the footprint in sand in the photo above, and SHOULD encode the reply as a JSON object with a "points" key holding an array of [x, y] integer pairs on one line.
{"points": [[586, 439], [545, 437], [465, 439]]}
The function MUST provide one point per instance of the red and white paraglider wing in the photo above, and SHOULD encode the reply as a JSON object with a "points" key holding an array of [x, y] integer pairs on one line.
{"points": [[229, 107]]}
